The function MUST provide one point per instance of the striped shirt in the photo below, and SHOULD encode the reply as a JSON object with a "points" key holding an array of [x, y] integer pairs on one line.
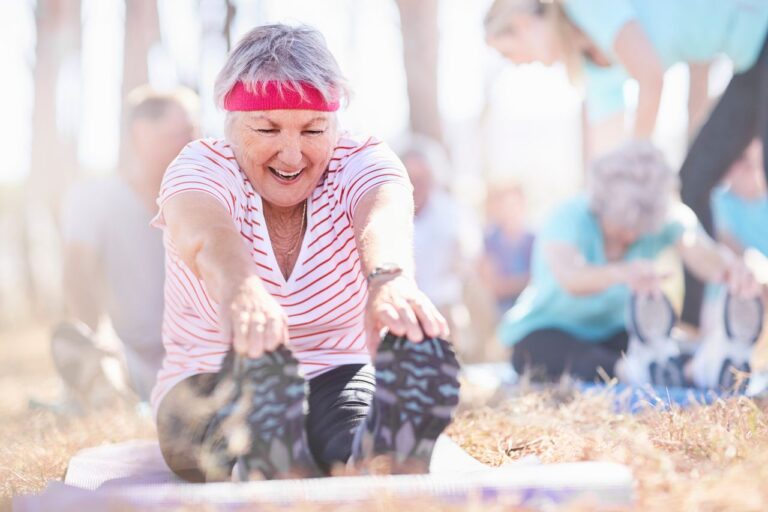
{"points": [[324, 297]]}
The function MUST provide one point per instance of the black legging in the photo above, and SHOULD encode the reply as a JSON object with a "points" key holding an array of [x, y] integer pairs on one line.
{"points": [[338, 404], [550, 353], [739, 116]]}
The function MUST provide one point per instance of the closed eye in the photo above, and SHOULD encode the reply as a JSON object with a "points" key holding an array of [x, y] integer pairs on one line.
{"points": [[314, 132]]}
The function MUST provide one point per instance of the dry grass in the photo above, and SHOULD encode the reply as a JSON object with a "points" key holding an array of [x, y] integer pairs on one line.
{"points": [[704, 458]]}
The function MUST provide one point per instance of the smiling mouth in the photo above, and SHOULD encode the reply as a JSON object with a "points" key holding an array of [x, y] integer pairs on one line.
{"points": [[286, 176]]}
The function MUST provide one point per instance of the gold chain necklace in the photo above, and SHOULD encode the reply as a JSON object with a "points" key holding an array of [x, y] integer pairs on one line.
{"points": [[301, 230]]}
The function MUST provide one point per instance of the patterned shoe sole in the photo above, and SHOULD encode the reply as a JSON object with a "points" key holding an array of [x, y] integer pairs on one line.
{"points": [[270, 403], [417, 391]]}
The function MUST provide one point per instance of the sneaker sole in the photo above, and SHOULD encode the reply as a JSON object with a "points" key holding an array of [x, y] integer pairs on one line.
{"points": [[270, 404], [417, 391]]}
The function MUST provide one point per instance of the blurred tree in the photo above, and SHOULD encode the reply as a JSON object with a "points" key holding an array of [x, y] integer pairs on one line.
{"points": [[53, 161], [142, 32], [418, 22]]}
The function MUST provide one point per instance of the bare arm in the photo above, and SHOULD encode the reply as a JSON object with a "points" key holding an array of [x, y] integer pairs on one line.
{"points": [[575, 275], [698, 96], [83, 283], [638, 56], [208, 242], [714, 262], [383, 225], [211, 246]]}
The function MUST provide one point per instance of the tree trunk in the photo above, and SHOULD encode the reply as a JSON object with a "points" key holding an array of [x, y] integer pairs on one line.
{"points": [[418, 21], [53, 162], [142, 31]]}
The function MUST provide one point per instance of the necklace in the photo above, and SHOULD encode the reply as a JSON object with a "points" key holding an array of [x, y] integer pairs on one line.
{"points": [[301, 230]]}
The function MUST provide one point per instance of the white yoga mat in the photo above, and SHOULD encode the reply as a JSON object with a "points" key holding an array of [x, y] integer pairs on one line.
{"points": [[134, 473]]}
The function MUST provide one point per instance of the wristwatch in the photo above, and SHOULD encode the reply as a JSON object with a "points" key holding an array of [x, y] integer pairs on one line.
{"points": [[385, 269]]}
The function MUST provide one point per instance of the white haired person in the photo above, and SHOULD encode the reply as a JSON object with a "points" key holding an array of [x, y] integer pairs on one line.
{"points": [[289, 245], [594, 251]]}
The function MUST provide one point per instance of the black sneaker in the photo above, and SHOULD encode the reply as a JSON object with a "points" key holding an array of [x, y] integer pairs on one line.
{"points": [[263, 425], [417, 391]]}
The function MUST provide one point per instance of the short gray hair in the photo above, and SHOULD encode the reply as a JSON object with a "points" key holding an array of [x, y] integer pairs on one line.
{"points": [[632, 186], [283, 53]]}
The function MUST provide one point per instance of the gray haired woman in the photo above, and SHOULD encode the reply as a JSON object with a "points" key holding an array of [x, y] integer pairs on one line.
{"points": [[594, 251], [289, 248]]}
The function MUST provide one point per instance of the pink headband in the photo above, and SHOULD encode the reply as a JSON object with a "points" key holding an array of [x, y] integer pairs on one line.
{"points": [[268, 96]]}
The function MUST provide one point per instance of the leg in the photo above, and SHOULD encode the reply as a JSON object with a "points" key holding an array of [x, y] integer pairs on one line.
{"points": [[722, 139], [182, 421], [557, 352], [338, 404], [417, 391]]}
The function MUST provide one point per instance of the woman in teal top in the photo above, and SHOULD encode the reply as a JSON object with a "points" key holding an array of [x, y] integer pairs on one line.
{"points": [[610, 40], [593, 252]]}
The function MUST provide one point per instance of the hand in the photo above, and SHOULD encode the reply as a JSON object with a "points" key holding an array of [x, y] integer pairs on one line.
{"points": [[399, 306], [253, 319], [740, 280], [642, 277]]}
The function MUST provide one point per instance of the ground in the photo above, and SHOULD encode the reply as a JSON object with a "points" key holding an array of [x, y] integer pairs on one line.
{"points": [[700, 459]]}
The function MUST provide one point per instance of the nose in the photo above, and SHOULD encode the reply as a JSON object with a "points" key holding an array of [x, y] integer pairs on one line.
{"points": [[290, 153]]}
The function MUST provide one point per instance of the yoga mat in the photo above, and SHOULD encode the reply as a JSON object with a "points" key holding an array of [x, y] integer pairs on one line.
{"points": [[134, 474]]}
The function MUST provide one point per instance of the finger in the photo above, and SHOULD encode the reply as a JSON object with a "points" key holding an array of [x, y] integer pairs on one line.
{"points": [[256, 337], [240, 330], [386, 316], [408, 317], [273, 335], [427, 316]]}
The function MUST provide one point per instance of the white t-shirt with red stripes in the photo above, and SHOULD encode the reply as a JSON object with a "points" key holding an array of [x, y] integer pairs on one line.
{"points": [[324, 297]]}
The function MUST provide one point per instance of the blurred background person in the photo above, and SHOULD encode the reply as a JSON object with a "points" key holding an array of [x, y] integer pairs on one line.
{"points": [[447, 238], [507, 243], [607, 42], [611, 40], [740, 203], [113, 259], [593, 252], [740, 214]]}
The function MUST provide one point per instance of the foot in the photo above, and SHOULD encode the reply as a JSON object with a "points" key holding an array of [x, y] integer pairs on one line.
{"points": [[263, 427], [417, 391]]}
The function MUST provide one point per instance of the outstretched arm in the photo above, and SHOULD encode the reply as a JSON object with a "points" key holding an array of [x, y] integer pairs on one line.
{"points": [[383, 225], [210, 245], [638, 56]]}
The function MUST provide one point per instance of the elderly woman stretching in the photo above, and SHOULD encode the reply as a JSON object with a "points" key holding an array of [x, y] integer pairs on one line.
{"points": [[289, 246], [594, 251]]}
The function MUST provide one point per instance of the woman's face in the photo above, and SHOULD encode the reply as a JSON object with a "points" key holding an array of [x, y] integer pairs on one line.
{"points": [[284, 153], [528, 39]]}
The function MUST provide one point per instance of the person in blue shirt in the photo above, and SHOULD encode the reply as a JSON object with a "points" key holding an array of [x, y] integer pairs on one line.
{"points": [[505, 264], [608, 41], [594, 251], [740, 203]]}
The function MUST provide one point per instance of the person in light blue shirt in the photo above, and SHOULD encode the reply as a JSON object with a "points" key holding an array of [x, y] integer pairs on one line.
{"points": [[594, 251], [608, 41], [740, 204]]}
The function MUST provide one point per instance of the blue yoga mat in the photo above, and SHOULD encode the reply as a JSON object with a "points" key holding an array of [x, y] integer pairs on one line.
{"points": [[634, 398]]}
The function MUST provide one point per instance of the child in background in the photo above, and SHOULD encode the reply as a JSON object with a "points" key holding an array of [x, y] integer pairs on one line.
{"points": [[508, 243]]}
